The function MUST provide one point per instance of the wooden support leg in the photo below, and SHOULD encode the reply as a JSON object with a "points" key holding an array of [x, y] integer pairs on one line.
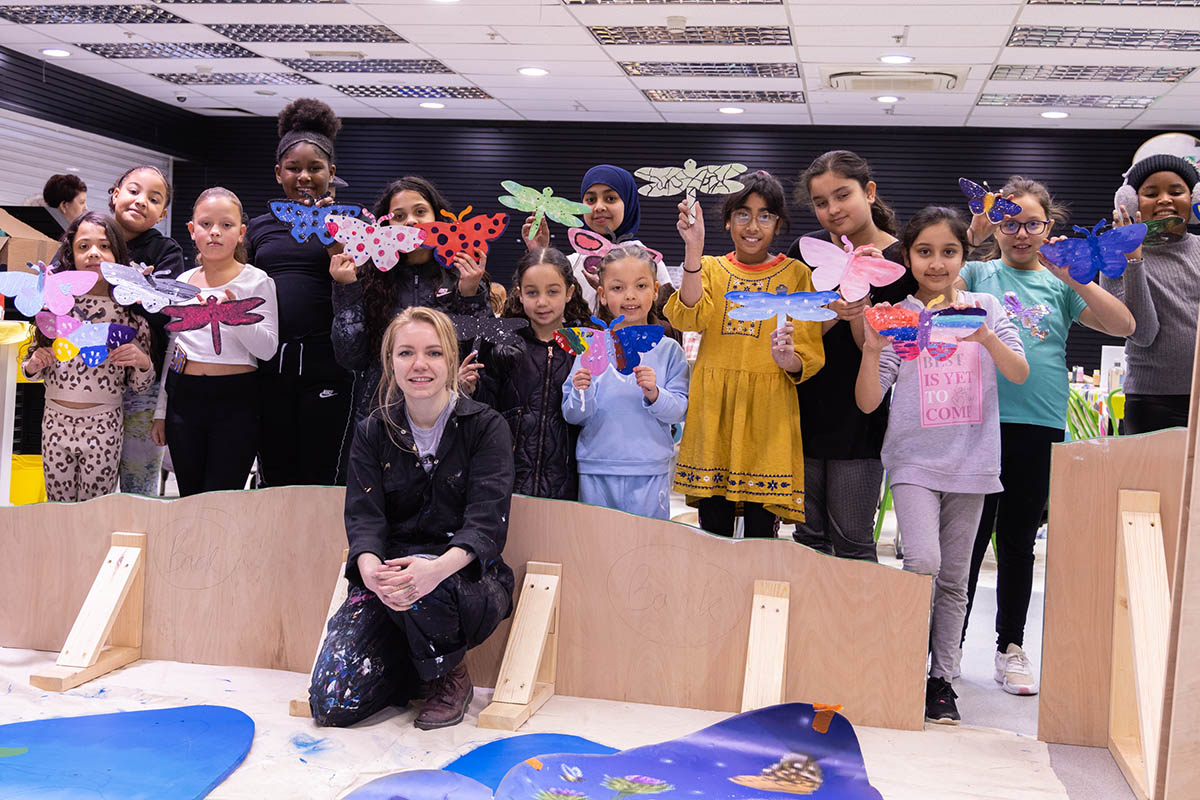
{"points": [[766, 651], [528, 671], [113, 607], [1141, 628], [298, 706]]}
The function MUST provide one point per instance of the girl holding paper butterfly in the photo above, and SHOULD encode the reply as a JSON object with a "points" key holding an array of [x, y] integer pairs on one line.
{"points": [[942, 446], [842, 470], [207, 409], [1042, 300], [82, 426], [138, 201], [1162, 292], [365, 300], [742, 442], [628, 399]]}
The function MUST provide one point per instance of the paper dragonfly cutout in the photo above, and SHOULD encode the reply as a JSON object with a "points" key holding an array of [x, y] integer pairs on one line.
{"points": [[981, 200], [211, 312], [1027, 316], [936, 332], [621, 347], [374, 241], [309, 220], [54, 290], [91, 341], [448, 239], [502, 330], [542, 204], [592, 248], [807, 306], [131, 285], [1099, 252], [690, 179], [856, 274], [1163, 230]]}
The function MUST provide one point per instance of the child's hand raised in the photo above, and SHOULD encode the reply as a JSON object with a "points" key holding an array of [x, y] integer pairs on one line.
{"points": [[40, 360], [582, 379], [848, 310], [783, 348], [468, 373], [130, 355], [342, 269], [873, 341], [543, 237], [691, 231], [1121, 218], [470, 272], [647, 381], [982, 227], [1062, 273]]}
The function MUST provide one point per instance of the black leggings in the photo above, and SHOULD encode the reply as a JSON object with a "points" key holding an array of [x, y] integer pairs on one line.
{"points": [[212, 430], [1015, 514], [1153, 412], [717, 516]]}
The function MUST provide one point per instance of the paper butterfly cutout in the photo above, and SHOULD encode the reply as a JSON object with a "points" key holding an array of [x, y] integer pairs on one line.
{"points": [[216, 314], [592, 248], [856, 274], [448, 239], [621, 347], [374, 241], [1099, 252], [130, 285], [91, 341], [1163, 230], [690, 179], [806, 306], [309, 220], [936, 332], [982, 201], [502, 330], [54, 290], [542, 204], [1027, 316]]}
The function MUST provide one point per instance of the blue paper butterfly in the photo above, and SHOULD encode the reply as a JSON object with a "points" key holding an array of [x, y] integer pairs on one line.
{"points": [[621, 347], [1099, 252], [981, 201], [806, 306], [309, 220]]}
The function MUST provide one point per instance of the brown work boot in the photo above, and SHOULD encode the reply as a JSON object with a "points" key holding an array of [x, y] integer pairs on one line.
{"points": [[448, 700]]}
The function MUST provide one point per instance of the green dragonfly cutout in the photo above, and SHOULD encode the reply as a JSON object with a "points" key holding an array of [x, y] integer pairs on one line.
{"points": [[542, 204]]}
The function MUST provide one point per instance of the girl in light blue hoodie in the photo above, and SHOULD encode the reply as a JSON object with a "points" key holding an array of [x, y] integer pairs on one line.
{"points": [[625, 446]]}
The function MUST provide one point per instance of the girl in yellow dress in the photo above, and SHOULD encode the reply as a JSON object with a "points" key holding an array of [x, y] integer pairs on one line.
{"points": [[741, 443]]}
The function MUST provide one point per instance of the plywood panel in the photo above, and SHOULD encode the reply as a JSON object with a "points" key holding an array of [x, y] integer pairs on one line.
{"points": [[1080, 562]]}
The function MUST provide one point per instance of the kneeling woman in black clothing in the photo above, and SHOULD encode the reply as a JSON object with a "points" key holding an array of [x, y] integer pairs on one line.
{"points": [[427, 498]]}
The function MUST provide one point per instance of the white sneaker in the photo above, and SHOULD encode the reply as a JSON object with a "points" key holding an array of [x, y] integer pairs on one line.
{"points": [[1014, 671]]}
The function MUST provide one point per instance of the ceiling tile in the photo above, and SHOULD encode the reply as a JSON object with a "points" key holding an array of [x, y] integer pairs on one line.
{"points": [[463, 14]]}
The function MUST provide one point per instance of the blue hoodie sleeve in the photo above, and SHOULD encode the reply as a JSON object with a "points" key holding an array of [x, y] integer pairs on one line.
{"points": [[672, 402]]}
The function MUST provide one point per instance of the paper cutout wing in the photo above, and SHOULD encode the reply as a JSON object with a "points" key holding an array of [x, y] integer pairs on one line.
{"points": [[690, 179], [214, 313], [622, 347], [854, 273], [805, 306], [370, 241], [1099, 252], [459, 235], [936, 332], [53, 290], [308, 220], [131, 286], [589, 343], [592, 248], [1027, 317], [982, 201], [91, 341], [502, 330], [1162, 230], [542, 204]]}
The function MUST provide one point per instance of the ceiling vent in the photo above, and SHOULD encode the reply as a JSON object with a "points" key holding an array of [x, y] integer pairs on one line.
{"points": [[873, 79]]}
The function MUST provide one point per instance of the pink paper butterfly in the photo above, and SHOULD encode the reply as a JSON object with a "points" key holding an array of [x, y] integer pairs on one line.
{"points": [[856, 274], [592, 248], [374, 241], [54, 290]]}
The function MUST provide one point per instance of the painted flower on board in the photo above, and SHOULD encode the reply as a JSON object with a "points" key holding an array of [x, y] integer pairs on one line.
{"points": [[559, 794], [635, 784]]}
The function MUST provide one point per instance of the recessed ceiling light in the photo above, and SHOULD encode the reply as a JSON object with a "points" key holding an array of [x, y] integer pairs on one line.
{"points": [[1055, 114], [265, 92], [433, 105], [56, 52], [533, 72], [887, 98], [445, 1], [731, 110], [896, 59]]}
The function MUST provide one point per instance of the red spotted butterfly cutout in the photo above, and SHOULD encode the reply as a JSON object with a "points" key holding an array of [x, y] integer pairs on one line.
{"points": [[460, 235]]}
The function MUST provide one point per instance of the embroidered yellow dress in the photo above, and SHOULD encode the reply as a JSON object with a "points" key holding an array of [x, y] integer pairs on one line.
{"points": [[742, 436]]}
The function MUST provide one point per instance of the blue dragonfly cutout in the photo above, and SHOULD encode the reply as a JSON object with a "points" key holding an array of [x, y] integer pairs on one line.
{"points": [[805, 306]]}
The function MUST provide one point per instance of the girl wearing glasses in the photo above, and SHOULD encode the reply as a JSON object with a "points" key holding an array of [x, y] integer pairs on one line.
{"points": [[1042, 300], [742, 441]]}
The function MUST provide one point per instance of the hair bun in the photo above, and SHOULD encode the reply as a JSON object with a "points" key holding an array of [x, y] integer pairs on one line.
{"points": [[309, 114]]}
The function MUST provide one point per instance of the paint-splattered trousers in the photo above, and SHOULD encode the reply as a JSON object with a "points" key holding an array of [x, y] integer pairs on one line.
{"points": [[81, 451], [374, 656], [141, 458]]}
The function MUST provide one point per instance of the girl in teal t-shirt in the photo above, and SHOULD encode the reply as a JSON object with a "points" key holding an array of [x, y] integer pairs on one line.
{"points": [[1042, 300]]}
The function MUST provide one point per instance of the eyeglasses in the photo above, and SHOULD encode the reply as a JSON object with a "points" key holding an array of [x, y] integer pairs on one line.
{"points": [[1033, 227], [765, 219]]}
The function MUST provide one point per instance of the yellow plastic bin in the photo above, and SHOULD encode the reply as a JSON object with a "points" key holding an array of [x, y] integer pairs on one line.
{"points": [[28, 481]]}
